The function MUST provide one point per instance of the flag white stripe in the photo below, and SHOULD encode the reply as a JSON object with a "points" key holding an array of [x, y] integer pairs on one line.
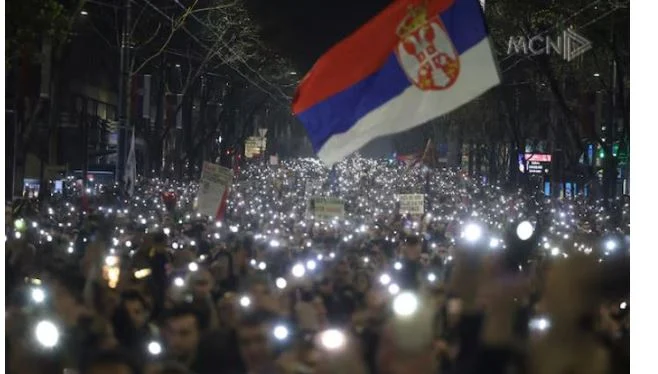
{"points": [[478, 73]]}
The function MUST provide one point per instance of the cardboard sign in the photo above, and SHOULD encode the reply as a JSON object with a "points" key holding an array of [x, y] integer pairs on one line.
{"points": [[412, 203], [326, 208], [213, 187], [254, 146]]}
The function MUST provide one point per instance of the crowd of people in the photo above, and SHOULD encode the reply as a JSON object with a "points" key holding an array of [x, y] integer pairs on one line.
{"points": [[487, 279]]}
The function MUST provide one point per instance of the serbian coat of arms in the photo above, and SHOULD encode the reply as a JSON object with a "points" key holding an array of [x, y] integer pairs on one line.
{"points": [[425, 52]]}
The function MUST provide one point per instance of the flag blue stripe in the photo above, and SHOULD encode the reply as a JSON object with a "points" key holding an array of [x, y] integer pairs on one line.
{"points": [[464, 22], [338, 113]]}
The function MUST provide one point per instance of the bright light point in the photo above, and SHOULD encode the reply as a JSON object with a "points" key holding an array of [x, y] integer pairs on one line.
{"points": [[623, 305], [332, 255], [174, 245], [193, 266], [281, 283], [541, 324], [281, 332], [431, 277], [129, 243], [218, 224], [192, 243], [111, 260], [393, 289], [320, 257], [47, 334], [332, 339], [17, 235], [385, 279], [472, 232], [610, 245], [154, 348], [298, 270], [405, 304], [547, 245], [366, 260], [524, 230], [233, 228], [310, 265], [245, 301], [555, 251], [166, 231], [494, 243], [397, 265], [179, 282], [38, 295], [274, 243], [262, 265]]}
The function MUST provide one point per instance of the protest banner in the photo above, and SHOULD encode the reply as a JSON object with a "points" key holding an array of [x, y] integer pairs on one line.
{"points": [[412, 203], [326, 208], [213, 189]]}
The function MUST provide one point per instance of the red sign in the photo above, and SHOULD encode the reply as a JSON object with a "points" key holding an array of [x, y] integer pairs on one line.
{"points": [[538, 157]]}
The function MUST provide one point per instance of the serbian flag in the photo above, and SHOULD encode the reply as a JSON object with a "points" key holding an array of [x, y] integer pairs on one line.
{"points": [[412, 62]]}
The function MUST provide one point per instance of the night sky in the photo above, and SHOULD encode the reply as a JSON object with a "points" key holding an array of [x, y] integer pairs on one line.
{"points": [[301, 30]]}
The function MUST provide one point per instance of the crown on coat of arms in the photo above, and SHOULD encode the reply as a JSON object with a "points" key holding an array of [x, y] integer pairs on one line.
{"points": [[416, 17]]}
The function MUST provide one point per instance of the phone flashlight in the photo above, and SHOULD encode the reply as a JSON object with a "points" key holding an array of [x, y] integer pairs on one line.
{"points": [[610, 245], [332, 339], [385, 279], [111, 261], [38, 295], [281, 283], [540, 324], [245, 301], [393, 289], [154, 348], [397, 265], [298, 270], [262, 265], [310, 265], [193, 266], [431, 277], [472, 232], [280, 332], [142, 273], [524, 230], [405, 304], [47, 334], [179, 282]]}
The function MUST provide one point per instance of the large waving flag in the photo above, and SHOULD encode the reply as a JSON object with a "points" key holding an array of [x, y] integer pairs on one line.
{"points": [[412, 62]]}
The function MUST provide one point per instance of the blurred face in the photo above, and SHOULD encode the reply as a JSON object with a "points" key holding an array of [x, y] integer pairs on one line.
{"points": [[202, 284], [220, 268], [182, 336], [412, 251], [362, 284], [254, 346], [137, 312]]}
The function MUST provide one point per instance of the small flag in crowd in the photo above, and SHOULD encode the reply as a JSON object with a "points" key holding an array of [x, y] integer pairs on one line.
{"points": [[412, 62]]}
